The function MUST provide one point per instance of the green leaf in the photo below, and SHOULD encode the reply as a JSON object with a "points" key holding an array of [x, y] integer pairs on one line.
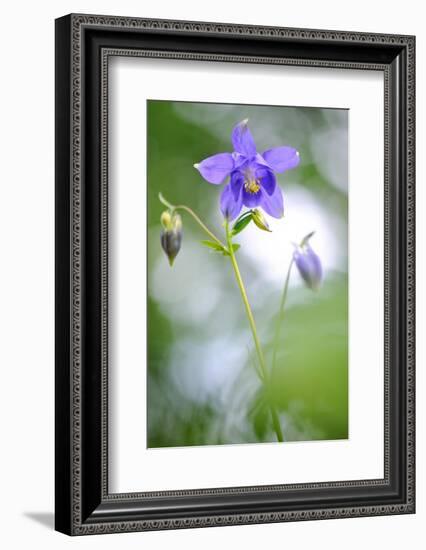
{"points": [[219, 248], [235, 247], [214, 246], [241, 223]]}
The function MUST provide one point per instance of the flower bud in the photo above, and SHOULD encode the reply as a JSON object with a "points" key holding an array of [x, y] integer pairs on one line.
{"points": [[166, 220], [308, 264], [171, 236], [260, 220]]}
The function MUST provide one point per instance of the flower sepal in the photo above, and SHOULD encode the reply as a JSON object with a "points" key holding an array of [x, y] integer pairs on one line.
{"points": [[254, 215], [260, 220], [241, 223], [306, 239]]}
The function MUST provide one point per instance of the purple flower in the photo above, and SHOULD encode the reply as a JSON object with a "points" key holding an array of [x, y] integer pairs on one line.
{"points": [[308, 264], [252, 180]]}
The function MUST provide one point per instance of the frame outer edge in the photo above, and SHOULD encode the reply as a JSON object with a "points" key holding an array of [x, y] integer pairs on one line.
{"points": [[63, 495], [77, 22]]}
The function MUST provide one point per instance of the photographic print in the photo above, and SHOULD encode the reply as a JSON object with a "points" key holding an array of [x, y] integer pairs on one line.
{"points": [[247, 274]]}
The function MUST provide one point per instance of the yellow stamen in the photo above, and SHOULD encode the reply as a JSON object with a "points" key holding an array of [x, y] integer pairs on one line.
{"points": [[252, 186]]}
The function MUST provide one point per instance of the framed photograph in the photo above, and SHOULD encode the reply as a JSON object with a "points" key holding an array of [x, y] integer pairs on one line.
{"points": [[234, 274]]}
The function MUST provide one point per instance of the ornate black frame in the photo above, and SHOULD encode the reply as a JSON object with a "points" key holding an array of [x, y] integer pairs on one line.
{"points": [[83, 46]]}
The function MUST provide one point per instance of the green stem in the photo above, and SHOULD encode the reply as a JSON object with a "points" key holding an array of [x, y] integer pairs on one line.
{"points": [[281, 316], [203, 226], [246, 303], [200, 223], [264, 370]]}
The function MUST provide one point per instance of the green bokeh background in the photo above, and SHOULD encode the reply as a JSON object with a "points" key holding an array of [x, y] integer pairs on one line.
{"points": [[202, 387]]}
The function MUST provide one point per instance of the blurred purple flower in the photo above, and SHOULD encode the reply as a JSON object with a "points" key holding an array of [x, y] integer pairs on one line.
{"points": [[309, 265], [252, 179]]}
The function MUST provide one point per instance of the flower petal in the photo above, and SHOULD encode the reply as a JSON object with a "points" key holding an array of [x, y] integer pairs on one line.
{"points": [[237, 182], [272, 204], [258, 159], [242, 140], [251, 200], [267, 180], [240, 160], [216, 168], [309, 266], [230, 206], [282, 158]]}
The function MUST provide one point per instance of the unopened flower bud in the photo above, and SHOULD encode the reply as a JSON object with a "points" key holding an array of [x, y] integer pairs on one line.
{"points": [[308, 263], [260, 220], [166, 220], [171, 236]]}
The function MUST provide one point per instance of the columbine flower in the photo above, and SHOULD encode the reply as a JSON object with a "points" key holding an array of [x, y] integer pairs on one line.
{"points": [[252, 179], [308, 263], [171, 236]]}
